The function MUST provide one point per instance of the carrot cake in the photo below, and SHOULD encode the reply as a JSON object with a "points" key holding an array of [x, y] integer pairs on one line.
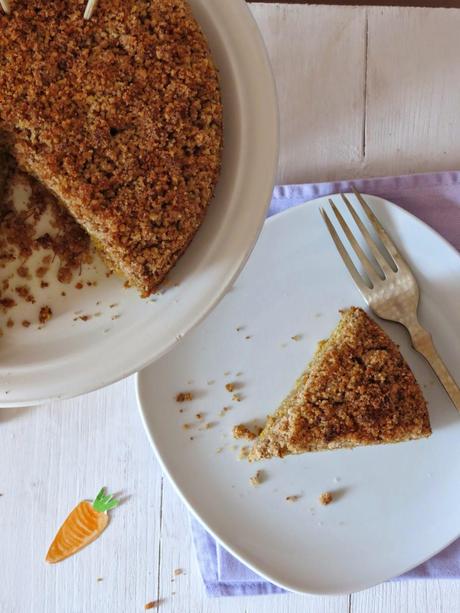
{"points": [[357, 390], [120, 117]]}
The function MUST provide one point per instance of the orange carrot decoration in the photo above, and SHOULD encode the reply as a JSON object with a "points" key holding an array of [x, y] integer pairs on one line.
{"points": [[82, 526]]}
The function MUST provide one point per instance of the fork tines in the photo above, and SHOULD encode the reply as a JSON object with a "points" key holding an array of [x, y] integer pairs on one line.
{"points": [[374, 273], [5, 6]]}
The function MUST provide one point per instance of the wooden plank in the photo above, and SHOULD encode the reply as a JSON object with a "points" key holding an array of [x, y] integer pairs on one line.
{"points": [[422, 596], [185, 592], [414, 3], [318, 59], [52, 457], [412, 94]]}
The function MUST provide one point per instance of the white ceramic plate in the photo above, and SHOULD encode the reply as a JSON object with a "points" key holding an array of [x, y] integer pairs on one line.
{"points": [[396, 505], [71, 357]]}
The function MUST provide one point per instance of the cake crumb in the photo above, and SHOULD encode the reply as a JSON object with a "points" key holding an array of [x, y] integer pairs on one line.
{"points": [[211, 382], [224, 411], [26, 323], [187, 426], [45, 314], [184, 396], [247, 337], [292, 498], [79, 285], [199, 415], [207, 425], [9, 323], [325, 498], [154, 604], [241, 431], [256, 479], [236, 397], [100, 579], [230, 387], [296, 337], [219, 450], [244, 452], [178, 571]]}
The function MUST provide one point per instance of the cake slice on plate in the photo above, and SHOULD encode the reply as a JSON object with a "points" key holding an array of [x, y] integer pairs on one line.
{"points": [[357, 390]]}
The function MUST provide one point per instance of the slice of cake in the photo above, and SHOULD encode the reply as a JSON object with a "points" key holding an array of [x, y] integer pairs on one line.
{"points": [[357, 390], [120, 117]]}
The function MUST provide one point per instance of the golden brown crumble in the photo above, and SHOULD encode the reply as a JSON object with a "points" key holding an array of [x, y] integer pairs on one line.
{"points": [[45, 314], [230, 387], [326, 498], [292, 498], [358, 390], [184, 396], [241, 431], [121, 117], [256, 479]]}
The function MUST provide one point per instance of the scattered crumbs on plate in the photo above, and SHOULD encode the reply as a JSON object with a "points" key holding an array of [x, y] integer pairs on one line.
{"points": [[9, 323], [153, 604], [239, 328], [26, 323], [210, 382], [63, 294], [178, 571], [117, 316], [230, 387], [199, 415], [238, 374], [292, 498], [187, 426], [224, 411], [240, 431], [244, 452], [79, 285], [236, 397], [100, 579], [258, 478], [192, 438], [248, 337], [219, 450], [112, 306], [184, 396], [296, 337], [82, 318], [97, 314], [326, 498]]}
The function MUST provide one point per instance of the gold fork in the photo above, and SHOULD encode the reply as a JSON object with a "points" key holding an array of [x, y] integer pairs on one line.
{"points": [[391, 292]]}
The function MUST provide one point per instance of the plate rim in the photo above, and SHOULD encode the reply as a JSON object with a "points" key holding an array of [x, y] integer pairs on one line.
{"points": [[273, 132], [228, 546]]}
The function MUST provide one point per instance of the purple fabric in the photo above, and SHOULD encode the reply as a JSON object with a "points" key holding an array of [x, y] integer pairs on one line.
{"points": [[434, 198]]}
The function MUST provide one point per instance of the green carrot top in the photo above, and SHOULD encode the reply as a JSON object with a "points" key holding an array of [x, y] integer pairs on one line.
{"points": [[104, 503]]}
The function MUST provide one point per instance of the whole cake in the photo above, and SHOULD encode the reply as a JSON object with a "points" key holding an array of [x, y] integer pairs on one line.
{"points": [[120, 117], [358, 390]]}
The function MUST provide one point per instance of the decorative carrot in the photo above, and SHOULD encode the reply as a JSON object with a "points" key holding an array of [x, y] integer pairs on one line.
{"points": [[81, 527]]}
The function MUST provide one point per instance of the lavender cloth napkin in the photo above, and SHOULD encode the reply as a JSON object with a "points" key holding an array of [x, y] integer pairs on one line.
{"points": [[434, 198]]}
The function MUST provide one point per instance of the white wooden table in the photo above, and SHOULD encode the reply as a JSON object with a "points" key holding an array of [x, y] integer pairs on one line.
{"points": [[362, 92]]}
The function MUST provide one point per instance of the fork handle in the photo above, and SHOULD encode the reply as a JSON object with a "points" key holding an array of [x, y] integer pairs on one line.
{"points": [[423, 343]]}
